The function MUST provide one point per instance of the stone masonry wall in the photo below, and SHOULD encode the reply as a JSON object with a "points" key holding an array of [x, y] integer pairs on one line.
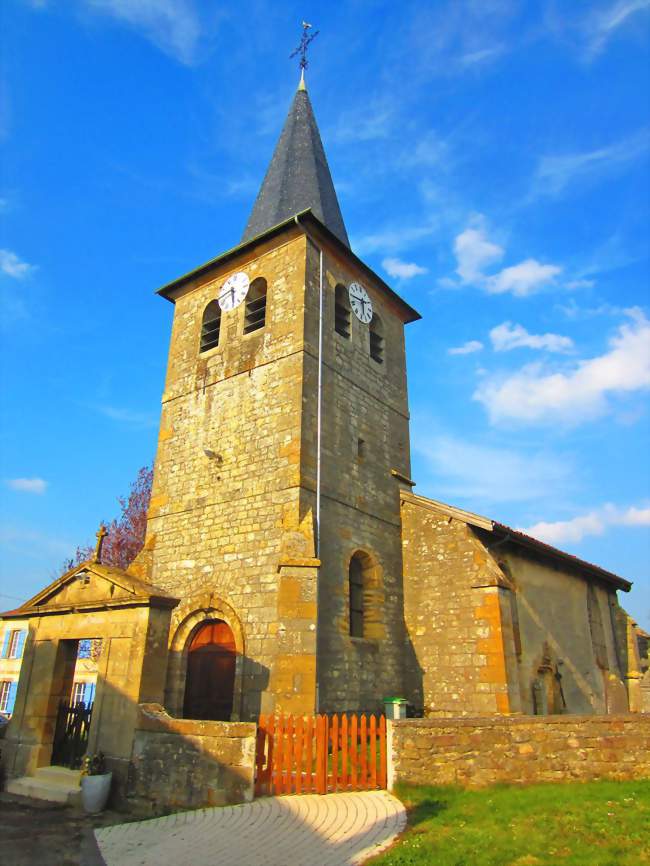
{"points": [[223, 525], [455, 616], [362, 400], [183, 764], [518, 750]]}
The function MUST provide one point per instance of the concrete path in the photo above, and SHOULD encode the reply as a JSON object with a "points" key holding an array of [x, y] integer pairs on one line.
{"points": [[305, 830]]}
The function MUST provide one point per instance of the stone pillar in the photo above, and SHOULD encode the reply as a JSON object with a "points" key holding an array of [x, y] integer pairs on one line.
{"points": [[292, 687]]}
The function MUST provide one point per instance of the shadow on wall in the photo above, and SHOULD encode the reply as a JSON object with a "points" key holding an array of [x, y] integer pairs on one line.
{"points": [[159, 763]]}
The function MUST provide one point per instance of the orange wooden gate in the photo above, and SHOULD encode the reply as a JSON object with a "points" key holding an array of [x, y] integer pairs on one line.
{"points": [[319, 754]]}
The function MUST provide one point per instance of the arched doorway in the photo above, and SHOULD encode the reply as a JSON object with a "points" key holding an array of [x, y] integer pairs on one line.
{"points": [[210, 682]]}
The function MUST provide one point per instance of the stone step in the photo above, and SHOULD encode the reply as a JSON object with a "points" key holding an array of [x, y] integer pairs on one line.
{"points": [[55, 787], [60, 775]]}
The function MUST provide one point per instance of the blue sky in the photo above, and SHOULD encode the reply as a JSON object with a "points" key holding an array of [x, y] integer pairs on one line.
{"points": [[491, 159]]}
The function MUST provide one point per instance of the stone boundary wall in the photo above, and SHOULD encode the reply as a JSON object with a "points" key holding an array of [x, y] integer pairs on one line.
{"points": [[185, 764], [475, 752]]}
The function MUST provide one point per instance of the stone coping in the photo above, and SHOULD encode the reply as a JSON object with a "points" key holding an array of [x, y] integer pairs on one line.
{"points": [[154, 718], [513, 720]]}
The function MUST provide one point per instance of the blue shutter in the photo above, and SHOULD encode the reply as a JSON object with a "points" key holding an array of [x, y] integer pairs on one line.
{"points": [[90, 694], [5, 644], [13, 688], [20, 644]]}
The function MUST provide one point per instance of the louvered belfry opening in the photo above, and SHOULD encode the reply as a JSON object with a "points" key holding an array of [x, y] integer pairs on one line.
{"points": [[210, 326], [255, 316], [377, 339], [342, 312]]}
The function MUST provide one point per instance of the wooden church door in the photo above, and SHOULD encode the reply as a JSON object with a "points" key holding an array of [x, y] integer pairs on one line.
{"points": [[210, 681]]}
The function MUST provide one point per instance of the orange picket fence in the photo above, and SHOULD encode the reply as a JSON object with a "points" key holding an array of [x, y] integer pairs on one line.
{"points": [[320, 754]]}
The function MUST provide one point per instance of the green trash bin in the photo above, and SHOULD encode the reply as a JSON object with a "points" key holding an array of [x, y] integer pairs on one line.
{"points": [[395, 708]]}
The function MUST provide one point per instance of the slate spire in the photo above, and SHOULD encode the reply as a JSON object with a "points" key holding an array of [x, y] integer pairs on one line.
{"points": [[298, 176]]}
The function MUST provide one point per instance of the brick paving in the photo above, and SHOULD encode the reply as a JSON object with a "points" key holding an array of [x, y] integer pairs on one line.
{"points": [[306, 830]]}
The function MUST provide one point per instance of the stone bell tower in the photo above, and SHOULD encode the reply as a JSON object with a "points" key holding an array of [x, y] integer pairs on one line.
{"points": [[283, 444]]}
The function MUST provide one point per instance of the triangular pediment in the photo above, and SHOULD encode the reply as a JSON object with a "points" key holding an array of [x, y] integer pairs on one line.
{"points": [[90, 586]]}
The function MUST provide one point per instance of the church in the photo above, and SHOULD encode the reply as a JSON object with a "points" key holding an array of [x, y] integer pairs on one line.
{"points": [[289, 565]]}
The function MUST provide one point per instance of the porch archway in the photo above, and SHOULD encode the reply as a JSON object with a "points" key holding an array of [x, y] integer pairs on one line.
{"points": [[199, 612]]}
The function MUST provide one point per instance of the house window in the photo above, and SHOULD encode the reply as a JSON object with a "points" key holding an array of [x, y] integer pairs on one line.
{"points": [[210, 326], [255, 314], [356, 596], [342, 311], [361, 449], [7, 696], [83, 693], [377, 339], [14, 643], [78, 693], [85, 649]]}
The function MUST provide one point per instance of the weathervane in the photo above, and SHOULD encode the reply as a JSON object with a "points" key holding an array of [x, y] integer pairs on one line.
{"points": [[305, 41]]}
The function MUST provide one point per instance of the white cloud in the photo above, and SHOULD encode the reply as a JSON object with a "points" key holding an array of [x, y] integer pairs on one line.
{"points": [[507, 336], [14, 267], [580, 284], [555, 173], [27, 485], [172, 25], [603, 22], [595, 522], [523, 279], [402, 270], [536, 395], [138, 420], [481, 474], [373, 124], [33, 544], [393, 239], [483, 55], [474, 252], [467, 348]]}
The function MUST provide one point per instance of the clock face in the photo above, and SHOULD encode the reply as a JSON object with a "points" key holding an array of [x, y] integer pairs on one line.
{"points": [[233, 291], [360, 302]]}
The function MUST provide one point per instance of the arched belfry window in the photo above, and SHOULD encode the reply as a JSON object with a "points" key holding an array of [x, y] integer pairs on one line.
{"points": [[377, 339], [210, 326], [255, 315], [342, 311]]}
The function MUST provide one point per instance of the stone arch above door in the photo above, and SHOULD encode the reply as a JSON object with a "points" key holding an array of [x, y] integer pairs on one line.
{"points": [[189, 617]]}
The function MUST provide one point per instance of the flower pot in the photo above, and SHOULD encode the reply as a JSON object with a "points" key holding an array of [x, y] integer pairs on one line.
{"points": [[95, 791]]}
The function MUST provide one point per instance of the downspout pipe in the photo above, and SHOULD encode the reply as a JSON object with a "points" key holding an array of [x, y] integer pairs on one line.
{"points": [[319, 415]]}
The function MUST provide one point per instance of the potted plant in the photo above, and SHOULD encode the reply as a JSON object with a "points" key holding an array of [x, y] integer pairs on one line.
{"points": [[95, 783]]}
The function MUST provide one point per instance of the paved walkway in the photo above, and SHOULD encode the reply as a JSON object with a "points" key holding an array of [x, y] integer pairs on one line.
{"points": [[305, 830]]}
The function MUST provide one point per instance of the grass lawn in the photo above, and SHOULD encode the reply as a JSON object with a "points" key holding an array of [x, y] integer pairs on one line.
{"points": [[577, 824]]}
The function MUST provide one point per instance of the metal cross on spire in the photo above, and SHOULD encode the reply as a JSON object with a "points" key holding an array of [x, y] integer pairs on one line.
{"points": [[305, 40]]}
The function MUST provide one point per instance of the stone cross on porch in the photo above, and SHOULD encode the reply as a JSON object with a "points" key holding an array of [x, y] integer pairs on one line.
{"points": [[101, 534]]}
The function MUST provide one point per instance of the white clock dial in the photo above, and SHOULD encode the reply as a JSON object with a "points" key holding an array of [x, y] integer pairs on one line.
{"points": [[233, 291], [360, 302]]}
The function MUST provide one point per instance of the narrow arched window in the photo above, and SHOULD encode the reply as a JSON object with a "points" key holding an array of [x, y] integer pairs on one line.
{"points": [[377, 339], [255, 314], [210, 326], [356, 596], [342, 311]]}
